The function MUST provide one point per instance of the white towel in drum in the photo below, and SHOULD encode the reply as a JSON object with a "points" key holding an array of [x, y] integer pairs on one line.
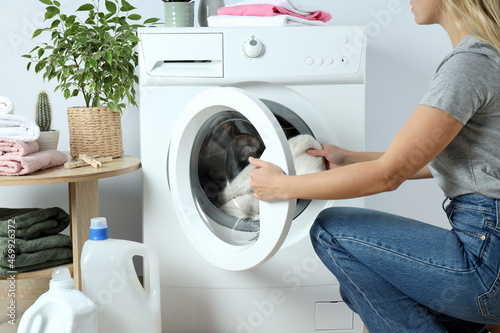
{"points": [[18, 127], [237, 197], [6, 105]]}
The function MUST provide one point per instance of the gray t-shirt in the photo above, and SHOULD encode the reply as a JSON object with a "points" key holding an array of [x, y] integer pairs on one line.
{"points": [[467, 86]]}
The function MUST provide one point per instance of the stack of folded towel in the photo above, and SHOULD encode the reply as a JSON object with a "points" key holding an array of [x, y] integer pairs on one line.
{"points": [[268, 13], [237, 197], [37, 243], [19, 153]]}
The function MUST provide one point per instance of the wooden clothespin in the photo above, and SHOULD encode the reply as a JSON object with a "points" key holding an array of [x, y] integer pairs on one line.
{"points": [[75, 164], [90, 160], [87, 160]]}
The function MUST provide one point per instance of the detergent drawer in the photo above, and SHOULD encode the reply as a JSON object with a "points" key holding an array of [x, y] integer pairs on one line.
{"points": [[171, 54]]}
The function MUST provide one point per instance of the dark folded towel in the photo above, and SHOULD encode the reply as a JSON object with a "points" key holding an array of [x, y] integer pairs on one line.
{"points": [[33, 223], [35, 251], [34, 254]]}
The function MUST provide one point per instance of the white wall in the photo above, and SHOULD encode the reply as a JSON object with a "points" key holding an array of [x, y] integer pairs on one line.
{"points": [[401, 60]]}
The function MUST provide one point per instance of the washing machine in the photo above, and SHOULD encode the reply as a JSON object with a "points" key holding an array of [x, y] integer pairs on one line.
{"points": [[209, 99]]}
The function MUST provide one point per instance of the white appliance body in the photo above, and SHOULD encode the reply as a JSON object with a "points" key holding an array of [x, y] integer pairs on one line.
{"points": [[266, 278]]}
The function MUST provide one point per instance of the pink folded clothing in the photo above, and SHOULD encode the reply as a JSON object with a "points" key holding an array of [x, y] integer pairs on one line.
{"points": [[271, 10], [23, 165], [13, 147]]}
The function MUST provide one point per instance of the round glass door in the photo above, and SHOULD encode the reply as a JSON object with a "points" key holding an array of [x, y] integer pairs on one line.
{"points": [[208, 159]]}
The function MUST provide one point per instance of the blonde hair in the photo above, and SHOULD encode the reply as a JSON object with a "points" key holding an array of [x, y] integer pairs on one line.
{"points": [[479, 18]]}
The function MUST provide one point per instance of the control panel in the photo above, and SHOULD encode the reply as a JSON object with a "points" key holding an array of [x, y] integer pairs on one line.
{"points": [[283, 54]]}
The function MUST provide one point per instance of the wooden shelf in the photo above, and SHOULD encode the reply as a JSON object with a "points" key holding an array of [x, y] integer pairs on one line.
{"points": [[43, 273], [60, 174]]}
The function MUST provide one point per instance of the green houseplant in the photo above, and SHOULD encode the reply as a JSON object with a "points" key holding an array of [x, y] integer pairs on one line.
{"points": [[92, 54], [49, 138]]}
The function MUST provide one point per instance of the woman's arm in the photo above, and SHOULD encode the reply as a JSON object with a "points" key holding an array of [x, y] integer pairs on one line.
{"points": [[425, 135], [336, 157]]}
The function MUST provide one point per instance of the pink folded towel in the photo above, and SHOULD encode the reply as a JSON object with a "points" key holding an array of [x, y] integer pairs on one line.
{"points": [[271, 10], [23, 165], [13, 147]]}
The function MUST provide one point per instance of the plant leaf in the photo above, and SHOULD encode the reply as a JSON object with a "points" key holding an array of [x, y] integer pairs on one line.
{"points": [[53, 25], [111, 7], [109, 57], [53, 9], [126, 7], [51, 12], [93, 63], [87, 6], [151, 20], [37, 33], [113, 106], [134, 17], [47, 2]]}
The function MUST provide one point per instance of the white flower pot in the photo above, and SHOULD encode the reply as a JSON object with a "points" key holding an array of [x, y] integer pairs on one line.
{"points": [[48, 140]]}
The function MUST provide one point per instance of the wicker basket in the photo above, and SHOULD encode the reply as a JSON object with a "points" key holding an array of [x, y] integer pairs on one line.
{"points": [[95, 132]]}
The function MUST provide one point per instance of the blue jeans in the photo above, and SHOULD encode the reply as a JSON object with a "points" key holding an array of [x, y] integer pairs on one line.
{"points": [[402, 275]]}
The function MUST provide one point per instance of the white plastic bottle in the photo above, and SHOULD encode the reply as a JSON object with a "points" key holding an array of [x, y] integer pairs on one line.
{"points": [[62, 309], [110, 280]]}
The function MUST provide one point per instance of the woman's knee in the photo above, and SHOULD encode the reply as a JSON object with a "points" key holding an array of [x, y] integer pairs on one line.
{"points": [[338, 216], [333, 219]]}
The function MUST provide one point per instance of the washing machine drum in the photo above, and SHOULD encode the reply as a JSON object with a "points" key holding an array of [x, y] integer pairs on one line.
{"points": [[220, 180], [209, 171]]}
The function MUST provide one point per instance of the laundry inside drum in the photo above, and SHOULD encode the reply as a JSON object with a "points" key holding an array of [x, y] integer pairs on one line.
{"points": [[220, 173]]}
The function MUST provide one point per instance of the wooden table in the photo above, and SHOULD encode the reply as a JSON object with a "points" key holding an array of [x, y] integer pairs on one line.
{"points": [[83, 196]]}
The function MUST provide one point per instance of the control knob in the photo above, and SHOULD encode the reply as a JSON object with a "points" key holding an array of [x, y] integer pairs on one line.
{"points": [[253, 48]]}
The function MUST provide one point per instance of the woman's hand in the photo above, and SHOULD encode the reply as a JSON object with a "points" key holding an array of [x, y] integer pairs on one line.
{"points": [[267, 180], [334, 156]]}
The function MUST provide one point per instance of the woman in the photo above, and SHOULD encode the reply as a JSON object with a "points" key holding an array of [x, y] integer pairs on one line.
{"points": [[398, 274]]}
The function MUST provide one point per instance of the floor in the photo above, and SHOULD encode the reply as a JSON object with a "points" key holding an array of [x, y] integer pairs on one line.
{"points": [[26, 293]]}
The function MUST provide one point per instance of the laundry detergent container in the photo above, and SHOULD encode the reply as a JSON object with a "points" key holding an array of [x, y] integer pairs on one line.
{"points": [[110, 280]]}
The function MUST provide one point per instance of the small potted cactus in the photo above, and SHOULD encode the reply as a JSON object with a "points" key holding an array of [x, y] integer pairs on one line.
{"points": [[49, 138]]}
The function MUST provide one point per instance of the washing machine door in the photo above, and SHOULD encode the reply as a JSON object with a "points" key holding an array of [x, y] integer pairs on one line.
{"points": [[209, 180]]}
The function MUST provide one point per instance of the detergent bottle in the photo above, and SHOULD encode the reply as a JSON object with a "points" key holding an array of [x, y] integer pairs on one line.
{"points": [[61, 309], [110, 280]]}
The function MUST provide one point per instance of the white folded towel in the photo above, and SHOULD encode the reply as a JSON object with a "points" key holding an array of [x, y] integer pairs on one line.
{"points": [[237, 197], [294, 5], [6, 105], [260, 21], [18, 127]]}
